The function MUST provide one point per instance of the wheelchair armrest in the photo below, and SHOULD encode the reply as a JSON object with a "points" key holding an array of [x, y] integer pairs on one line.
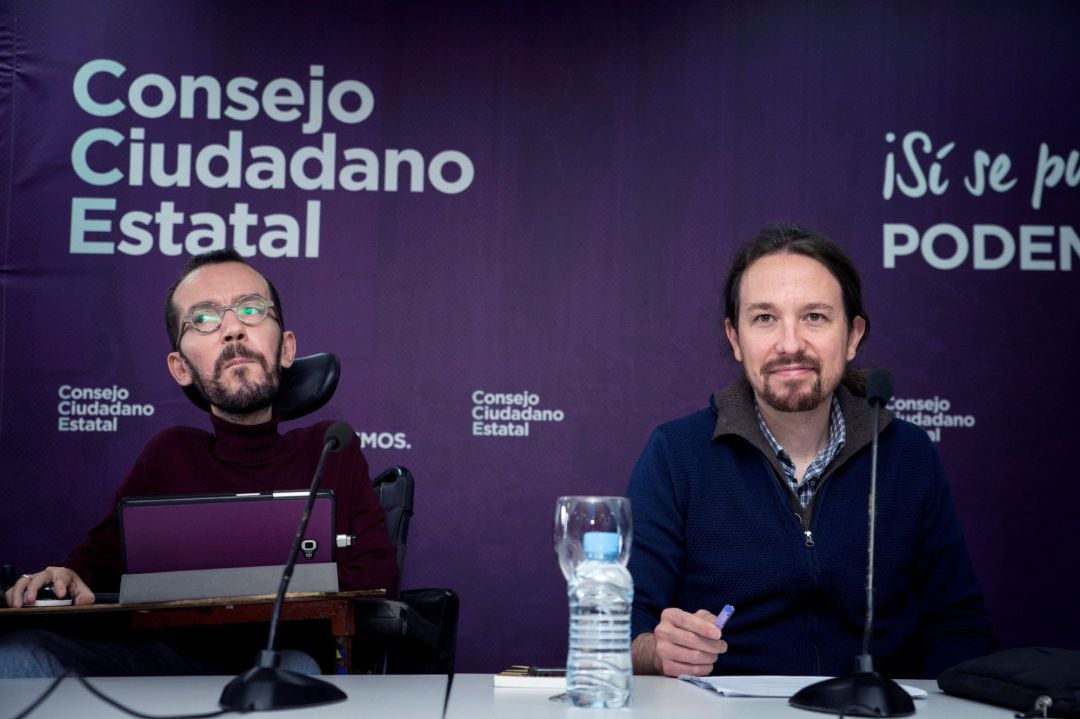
{"points": [[417, 632], [393, 618]]}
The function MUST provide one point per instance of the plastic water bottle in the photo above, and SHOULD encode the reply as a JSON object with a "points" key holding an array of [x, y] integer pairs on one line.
{"points": [[598, 666]]}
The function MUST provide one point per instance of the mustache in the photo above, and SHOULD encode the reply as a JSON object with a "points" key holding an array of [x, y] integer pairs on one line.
{"points": [[801, 359], [233, 351]]}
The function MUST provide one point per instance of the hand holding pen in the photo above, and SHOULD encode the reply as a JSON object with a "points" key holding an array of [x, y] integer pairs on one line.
{"points": [[687, 643]]}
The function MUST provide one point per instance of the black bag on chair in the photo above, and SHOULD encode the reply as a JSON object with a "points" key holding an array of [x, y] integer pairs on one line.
{"points": [[1038, 681]]}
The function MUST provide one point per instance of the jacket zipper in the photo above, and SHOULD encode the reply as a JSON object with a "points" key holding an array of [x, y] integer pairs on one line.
{"points": [[805, 516]]}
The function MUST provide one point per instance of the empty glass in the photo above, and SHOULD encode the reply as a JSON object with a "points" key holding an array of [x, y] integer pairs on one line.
{"points": [[576, 515]]}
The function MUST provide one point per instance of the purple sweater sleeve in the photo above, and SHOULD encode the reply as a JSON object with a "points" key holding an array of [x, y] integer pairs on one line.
{"points": [[98, 559], [371, 561]]}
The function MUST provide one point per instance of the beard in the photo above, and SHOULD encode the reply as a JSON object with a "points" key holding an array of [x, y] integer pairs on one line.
{"points": [[248, 396], [786, 396]]}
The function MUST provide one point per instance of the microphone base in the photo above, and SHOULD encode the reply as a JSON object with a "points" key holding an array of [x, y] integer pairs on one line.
{"points": [[266, 687], [864, 693]]}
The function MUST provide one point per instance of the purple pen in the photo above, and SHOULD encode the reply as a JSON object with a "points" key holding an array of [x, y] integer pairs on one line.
{"points": [[725, 614]]}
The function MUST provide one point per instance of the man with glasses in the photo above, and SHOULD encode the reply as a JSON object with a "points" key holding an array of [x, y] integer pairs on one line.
{"points": [[226, 326]]}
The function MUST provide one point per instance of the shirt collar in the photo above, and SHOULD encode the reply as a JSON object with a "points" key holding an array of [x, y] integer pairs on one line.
{"points": [[837, 434], [734, 404]]}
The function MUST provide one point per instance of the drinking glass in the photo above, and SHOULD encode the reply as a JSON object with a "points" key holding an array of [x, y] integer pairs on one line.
{"points": [[574, 516]]}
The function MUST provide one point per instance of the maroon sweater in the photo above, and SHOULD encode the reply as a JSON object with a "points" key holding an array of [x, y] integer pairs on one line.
{"points": [[238, 458]]}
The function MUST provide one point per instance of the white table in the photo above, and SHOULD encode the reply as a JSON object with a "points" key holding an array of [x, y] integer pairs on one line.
{"points": [[472, 695], [402, 697], [422, 697]]}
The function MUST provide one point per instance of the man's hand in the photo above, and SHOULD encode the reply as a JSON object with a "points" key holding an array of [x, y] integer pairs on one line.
{"points": [[66, 584], [682, 643]]}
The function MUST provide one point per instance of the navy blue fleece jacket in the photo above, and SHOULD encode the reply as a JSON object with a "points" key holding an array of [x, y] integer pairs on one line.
{"points": [[714, 525]]}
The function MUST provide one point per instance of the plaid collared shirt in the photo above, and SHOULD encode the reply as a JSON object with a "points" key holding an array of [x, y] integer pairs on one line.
{"points": [[805, 489]]}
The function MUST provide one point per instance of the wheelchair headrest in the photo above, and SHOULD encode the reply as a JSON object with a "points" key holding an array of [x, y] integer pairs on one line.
{"points": [[305, 386]]}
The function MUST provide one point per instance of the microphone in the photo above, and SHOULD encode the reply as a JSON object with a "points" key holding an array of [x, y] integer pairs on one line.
{"points": [[864, 692], [339, 433], [879, 388], [266, 685]]}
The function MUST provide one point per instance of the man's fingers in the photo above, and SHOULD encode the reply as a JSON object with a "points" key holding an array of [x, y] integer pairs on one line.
{"points": [[80, 598], [705, 615], [673, 668], [699, 623], [80, 593], [676, 660], [687, 629], [66, 584], [686, 655], [26, 589], [687, 643], [685, 638]]}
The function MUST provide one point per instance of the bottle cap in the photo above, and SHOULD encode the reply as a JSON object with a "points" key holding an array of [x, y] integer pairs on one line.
{"points": [[601, 545]]}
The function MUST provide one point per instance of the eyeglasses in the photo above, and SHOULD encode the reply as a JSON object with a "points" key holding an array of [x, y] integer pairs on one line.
{"points": [[207, 318]]}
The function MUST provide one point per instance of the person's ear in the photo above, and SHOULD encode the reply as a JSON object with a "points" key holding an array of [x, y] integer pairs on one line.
{"points": [[180, 369], [858, 329], [288, 349], [733, 338]]}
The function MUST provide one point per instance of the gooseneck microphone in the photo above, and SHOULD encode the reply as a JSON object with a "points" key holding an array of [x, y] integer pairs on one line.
{"points": [[864, 692], [879, 388], [266, 685]]}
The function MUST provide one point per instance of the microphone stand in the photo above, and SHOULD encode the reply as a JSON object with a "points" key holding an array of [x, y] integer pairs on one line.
{"points": [[865, 692], [267, 686]]}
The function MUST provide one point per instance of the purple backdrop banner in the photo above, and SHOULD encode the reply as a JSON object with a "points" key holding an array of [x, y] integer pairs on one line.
{"points": [[511, 221]]}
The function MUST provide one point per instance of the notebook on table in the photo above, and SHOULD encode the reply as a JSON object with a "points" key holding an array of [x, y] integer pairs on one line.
{"points": [[191, 546]]}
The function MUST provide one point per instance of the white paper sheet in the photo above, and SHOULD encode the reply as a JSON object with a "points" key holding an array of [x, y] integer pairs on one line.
{"points": [[781, 687]]}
